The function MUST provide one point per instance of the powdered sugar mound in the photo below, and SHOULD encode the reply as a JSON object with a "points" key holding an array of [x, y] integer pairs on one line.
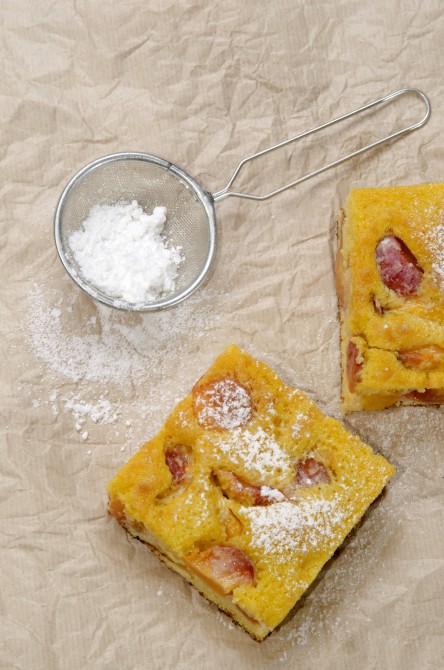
{"points": [[120, 250], [255, 450], [286, 526]]}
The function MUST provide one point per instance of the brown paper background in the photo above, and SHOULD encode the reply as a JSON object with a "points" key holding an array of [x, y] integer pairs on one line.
{"points": [[204, 85]]}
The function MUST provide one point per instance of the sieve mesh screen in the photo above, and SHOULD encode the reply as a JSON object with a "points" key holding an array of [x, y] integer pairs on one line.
{"points": [[123, 177]]}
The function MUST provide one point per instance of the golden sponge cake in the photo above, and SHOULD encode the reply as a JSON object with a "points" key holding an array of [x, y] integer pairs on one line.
{"points": [[390, 284], [247, 490]]}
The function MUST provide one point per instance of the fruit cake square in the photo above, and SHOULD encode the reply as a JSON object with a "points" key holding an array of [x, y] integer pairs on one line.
{"points": [[390, 285], [247, 490]]}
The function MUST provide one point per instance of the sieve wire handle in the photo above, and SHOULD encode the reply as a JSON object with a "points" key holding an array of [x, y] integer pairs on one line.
{"points": [[225, 192]]}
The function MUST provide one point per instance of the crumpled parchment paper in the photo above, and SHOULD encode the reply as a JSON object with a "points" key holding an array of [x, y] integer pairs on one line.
{"points": [[204, 85]]}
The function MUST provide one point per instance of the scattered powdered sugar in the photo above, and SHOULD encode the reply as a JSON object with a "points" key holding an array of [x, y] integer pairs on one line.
{"points": [[100, 412], [290, 526], [107, 367], [112, 347], [255, 450], [222, 617], [121, 251]]}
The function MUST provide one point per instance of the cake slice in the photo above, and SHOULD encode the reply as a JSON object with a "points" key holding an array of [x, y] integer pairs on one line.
{"points": [[390, 285], [247, 490]]}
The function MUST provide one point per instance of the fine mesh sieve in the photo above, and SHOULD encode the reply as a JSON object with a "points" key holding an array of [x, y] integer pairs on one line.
{"points": [[191, 221]]}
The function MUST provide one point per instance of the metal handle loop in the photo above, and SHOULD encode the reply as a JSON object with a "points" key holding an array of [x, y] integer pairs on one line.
{"points": [[225, 192]]}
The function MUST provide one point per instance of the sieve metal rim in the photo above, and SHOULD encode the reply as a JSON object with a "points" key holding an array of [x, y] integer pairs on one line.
{"points": [[205, 198]]}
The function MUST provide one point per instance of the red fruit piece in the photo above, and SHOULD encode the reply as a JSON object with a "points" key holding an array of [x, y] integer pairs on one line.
{"points": [[427, 397], [233, 526], [425, 358], [354, 365], [116, 508], [224, 568], [397, 266], [223, 403], [311, 472], [377, 307], [246, 493], [178, 460]]}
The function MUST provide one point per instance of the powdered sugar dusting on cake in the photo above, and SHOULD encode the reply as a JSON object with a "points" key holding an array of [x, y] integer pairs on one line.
{"points": [[299, 420], [435, 241], [271, 494], [223, 404], [288, 527], [433, 238], [256, 451]]}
